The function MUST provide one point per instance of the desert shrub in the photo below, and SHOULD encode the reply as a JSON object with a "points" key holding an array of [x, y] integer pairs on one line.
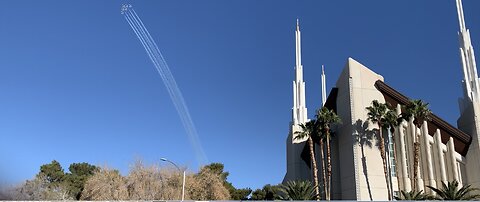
{"points": [[206, 185], [105, 184], [40, 188]]}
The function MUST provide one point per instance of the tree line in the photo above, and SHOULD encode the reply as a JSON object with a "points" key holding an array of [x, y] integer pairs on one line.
{"points": [[143, 182], [84, 181]]}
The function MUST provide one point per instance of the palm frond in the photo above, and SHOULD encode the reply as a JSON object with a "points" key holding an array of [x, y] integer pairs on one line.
{"points": [[413, 196], [451, 191], [325, 118], [297, 190], [307, 130], [418, 110]]}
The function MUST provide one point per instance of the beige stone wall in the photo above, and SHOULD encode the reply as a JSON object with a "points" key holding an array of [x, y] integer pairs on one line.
{"points": [[370, 180], [356, 162], [469, 123], [360, 168]]}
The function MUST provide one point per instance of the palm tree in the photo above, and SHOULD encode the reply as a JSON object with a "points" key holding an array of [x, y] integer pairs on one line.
{"points": [[420, 112], [308, 130], [392, 120], [321, 138], [297, 190], [325, 118], [376, 114], [413, 196], [452, 192]]}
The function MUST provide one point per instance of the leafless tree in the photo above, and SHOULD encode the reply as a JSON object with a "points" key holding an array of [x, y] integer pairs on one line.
{"points": [[39, 189], [206, 185], [105, 184], [145, 182]]}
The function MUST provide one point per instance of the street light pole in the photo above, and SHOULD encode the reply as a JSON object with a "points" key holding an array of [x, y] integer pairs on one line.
{"points": [[183, 183], [183, 186]]}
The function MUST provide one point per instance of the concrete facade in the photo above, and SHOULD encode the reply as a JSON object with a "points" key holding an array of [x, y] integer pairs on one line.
{"points": [[360, 176], [356, 162], [359, 166], [447, 153]]}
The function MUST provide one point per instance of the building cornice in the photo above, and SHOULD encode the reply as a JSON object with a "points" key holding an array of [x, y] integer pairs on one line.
{"points": [[461, 140]]}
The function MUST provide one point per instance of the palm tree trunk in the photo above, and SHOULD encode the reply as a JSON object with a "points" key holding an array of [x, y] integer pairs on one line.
{"points": [[329, 167], [323, 168], [395, 158], [384, 160], [416, 154], [314, 167]]}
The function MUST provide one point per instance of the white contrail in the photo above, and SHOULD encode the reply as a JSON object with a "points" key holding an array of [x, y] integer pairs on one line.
{"points": [[166, 75], [169, 81]]}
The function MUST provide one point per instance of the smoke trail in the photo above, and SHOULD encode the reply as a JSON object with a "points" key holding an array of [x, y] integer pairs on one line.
{"points": [[161, 66]]}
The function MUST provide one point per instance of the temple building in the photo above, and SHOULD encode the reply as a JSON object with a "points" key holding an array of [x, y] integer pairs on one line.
{"points": [[447, 152]]}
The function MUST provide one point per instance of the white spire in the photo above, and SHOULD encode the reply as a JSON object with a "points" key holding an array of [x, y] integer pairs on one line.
{"points": [[324, 87], [461, 17], [467, 55], [299, 110], [298, 50]]}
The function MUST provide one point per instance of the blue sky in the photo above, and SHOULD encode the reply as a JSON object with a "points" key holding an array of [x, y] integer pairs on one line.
{"points": [[77, 86]]}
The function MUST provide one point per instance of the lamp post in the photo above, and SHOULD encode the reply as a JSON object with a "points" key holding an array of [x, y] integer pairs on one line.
{"points": [[183, 183]]}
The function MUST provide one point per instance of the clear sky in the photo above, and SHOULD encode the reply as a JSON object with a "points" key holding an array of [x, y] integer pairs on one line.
{"points": [[77, 86]]}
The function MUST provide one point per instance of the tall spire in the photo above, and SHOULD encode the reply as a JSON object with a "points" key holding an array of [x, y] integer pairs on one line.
{"points": [[467, 55], [299, 110], [461, 17], [324, 87], [298, 51]]}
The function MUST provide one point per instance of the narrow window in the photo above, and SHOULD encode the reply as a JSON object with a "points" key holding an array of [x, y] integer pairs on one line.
{"points": [[393, 171], [406, 156]]}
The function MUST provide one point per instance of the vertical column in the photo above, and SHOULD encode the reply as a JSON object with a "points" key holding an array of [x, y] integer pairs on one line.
{"points": [[453, 159], [438, 141], [428, 155], [413, 132], [403, 159]]}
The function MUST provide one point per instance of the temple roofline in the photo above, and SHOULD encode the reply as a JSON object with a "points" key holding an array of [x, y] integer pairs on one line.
{"points": [[461, 139]]}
